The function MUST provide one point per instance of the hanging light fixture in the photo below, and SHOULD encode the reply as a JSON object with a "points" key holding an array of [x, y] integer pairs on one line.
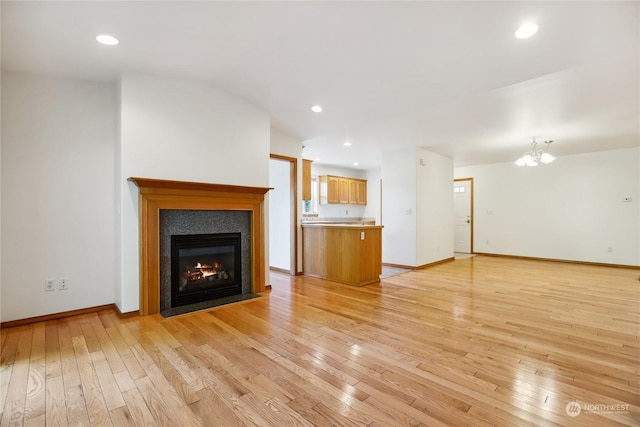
{"points": [[536, 155]]}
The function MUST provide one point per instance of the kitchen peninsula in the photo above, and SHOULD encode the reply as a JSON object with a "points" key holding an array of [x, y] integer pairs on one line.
{"points": [[345, 253]]}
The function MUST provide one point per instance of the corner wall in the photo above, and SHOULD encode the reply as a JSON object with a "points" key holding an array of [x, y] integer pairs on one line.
{"points": [[417, 207], [399, 193], [571, 209], [435, 221]]}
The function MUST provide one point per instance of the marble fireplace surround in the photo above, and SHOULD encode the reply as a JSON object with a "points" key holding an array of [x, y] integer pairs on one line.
{"points": [[157, 194]]}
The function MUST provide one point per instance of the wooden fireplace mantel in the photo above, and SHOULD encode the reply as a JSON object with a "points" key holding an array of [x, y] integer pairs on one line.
{"points": [[157, 194]]}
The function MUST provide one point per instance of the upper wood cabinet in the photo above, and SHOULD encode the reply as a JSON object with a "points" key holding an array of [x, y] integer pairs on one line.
{"points": [[306, 179], [338, 189], [362, 191], [343, 188], [333, 194], [353, 192]]}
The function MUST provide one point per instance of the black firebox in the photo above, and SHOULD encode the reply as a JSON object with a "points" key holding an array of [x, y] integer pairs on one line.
{"points": [[205, 267]]}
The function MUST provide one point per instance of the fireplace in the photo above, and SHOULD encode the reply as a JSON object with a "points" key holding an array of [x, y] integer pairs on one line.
{"points": [[205, 267], [157, 196]]}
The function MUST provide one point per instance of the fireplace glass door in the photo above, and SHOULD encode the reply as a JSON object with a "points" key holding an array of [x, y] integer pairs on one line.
{"points": [[205, 267]]}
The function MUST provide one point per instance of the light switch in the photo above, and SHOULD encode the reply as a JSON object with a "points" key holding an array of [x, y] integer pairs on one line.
{"points": [[362, 235]]}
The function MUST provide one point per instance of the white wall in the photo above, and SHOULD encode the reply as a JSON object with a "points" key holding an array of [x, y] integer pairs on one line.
{"points": [[58, 138], [571, 209], [435, 221], [279, 214], [188, 131]]}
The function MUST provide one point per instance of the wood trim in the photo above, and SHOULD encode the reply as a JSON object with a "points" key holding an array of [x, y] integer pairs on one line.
{"points": [[148, 185], [279, 270], [126, 315], [431, 264], [388, 264], [568, 261], [155, 195], [61, 315]]}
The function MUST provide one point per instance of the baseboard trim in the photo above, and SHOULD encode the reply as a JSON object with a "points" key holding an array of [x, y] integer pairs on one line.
{"points": [[280, 270], [568, 261], [432, 264], [61, 315], [127, 314], [410, 267]]}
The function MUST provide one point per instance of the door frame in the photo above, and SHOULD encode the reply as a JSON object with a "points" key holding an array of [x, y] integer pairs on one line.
{"points": [[471, 202], [293, 210]]}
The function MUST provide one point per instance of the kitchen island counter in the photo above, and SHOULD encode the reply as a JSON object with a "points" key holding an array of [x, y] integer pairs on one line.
{"points": [[345, 253]]}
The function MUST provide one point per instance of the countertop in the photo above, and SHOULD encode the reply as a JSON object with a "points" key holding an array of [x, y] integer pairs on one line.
{"points": [[338, 220], [339, 225]]}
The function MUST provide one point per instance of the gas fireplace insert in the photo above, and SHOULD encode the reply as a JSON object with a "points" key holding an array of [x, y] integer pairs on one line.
{"points": [[205, 267]]}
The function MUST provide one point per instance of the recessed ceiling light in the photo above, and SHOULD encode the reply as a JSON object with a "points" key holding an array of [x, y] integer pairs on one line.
{"points": [[316, 159], [356, 164], [347, 144], [316, 109], [107, 39], [526, 31]]}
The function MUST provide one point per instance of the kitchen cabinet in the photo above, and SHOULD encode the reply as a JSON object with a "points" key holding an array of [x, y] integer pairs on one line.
{"points": [[362, 192], [306, 179], [353, 192], [342, 190], [344, 253]]}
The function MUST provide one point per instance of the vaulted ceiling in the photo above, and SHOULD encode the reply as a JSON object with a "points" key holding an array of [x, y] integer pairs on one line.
{"points": [[447, 76]]}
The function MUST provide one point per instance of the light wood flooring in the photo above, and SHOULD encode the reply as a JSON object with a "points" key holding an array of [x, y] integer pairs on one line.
{"points": [[475, 342]]}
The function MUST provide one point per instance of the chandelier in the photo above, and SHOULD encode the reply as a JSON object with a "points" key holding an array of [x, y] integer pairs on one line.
{"points": [[536, 155]]}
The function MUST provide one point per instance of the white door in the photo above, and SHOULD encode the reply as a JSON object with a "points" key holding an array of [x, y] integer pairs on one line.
{"points": [[462, 212]]}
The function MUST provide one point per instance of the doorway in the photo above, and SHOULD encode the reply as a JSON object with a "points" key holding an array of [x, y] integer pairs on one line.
{"points": [[463, 215], [282, 214]]}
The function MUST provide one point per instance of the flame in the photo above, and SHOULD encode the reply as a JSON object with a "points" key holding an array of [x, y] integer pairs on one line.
{"points": [[206, 270], [200, 271]]}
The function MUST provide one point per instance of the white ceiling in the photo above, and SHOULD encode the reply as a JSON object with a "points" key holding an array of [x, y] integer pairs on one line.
{"points": [[447, 76]]}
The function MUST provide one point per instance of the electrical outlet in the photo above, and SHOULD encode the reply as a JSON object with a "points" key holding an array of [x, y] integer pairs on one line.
{"points": [[49, 285], [63, 284]]}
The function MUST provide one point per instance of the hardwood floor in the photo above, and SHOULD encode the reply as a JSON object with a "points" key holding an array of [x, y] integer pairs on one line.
{"points": [[474, 342]]}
